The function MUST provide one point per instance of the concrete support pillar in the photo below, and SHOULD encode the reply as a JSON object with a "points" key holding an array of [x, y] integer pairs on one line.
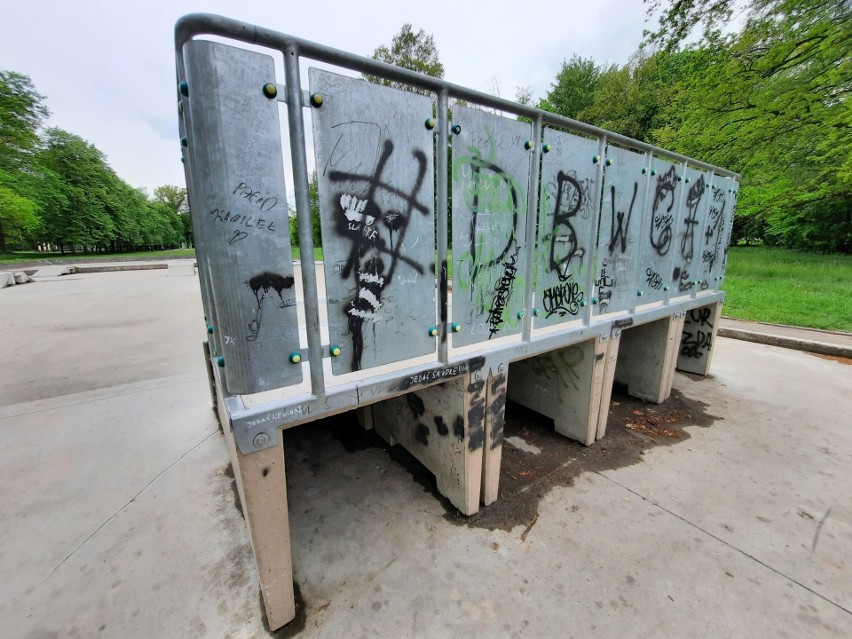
{"points": [[572, 386], [443, 426], [492, 450], [698, 337], [647, 356], [262, 486]]}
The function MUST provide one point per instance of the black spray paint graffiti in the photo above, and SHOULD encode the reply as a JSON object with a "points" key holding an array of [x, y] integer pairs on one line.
{"points": [[261, 285], [605, 284], [422, 432], [486, 198], [620, 231], [562, 299], [361, 224], [563, 239], [501, 294], [693, 199], [715, 228], [661, 220], [652, 278], [697, 333], [560, 366]]}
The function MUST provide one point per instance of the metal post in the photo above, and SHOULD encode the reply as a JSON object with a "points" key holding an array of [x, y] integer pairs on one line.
{"points": [[530, 238], [441, 212], [592, 240], [296, 124]]}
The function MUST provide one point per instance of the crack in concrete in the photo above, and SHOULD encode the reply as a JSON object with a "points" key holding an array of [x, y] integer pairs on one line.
{"points": [[120, 510], [729, 545]]}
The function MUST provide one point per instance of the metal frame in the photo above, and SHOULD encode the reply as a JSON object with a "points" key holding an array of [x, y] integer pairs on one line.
{"points": [[255, 428]]}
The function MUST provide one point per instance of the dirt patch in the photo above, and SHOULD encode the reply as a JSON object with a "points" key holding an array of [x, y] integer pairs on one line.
{"points": [[632, 428], [834, 358]]}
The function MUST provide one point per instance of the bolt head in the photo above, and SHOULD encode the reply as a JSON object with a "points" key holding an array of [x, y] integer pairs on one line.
{"points": [[546, 148], [209, 329], [317, 100], [529, 145], [456, 128], [653, 171], [184, 142], [594, 300], [433, 331], [608, 162], [220, 361], [596, 159], [644, 170], [334, 350], [184, 89], [456, 327], [431, 123], [639, 293], [520, 315], [270, 90], [295, 357]]}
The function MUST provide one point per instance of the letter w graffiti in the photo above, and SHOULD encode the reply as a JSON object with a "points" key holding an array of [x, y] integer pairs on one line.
{"points": [[619, 232]]}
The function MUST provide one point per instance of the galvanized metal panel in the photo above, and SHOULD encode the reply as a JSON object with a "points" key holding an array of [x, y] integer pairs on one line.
{"points": [[375, 170], [660, 222], [568, 220], [238, 184], [620, 227], [687, 265], [491, 167], [716, 231]]}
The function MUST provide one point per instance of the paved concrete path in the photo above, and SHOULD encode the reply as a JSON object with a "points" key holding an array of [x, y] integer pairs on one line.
{"points": [[118, 513]]}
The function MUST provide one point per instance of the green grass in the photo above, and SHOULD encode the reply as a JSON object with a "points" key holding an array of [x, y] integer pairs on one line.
{"points": [[297, 254], [20, 257], [781, 286]]}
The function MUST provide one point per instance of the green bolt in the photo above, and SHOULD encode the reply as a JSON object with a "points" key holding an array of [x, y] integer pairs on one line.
{"points": [[433, 331], [529, 144], [686, 180], [220, 361], [653, 171], [209, 329], [582, 302], [270, 90], [536, 312], [184, 142], [639, 293], [316, 100], [295, 357], [430, 123], [184, 89], [680, 178], [456, 327], [665, 288], [594, 300], [596, 159], [520, 315], [644, 170], [183, 160], [456, 128], [334, 350], [546, 148], [608, 162]]}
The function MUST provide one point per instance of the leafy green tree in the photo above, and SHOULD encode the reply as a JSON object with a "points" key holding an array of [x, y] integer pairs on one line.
{"points": [[574, 88], [22, 112], [316, 229], [409, 50], [773, 104]]}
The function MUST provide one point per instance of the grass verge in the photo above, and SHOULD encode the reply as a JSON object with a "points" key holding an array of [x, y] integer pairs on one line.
{"points": [[781, 286]]}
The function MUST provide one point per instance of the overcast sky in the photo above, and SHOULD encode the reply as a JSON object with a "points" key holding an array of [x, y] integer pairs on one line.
{"points": [[107, 68]]}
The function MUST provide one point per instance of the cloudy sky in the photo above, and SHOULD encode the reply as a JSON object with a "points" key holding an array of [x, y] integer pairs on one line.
{"points": [[107, 67]]}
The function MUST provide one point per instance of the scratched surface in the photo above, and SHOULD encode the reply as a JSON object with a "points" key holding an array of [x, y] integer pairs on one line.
{"points": [[687, 266], [490, 177], [657, 240], [375, 171], [716, 234], [240, 213], [619, 242], [567, 227]]}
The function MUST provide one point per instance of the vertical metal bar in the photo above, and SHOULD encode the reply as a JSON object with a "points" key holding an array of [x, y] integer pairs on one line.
{"points": [[592, 240], [441, 212], [296, 124], [643, 226], [529, 232]]}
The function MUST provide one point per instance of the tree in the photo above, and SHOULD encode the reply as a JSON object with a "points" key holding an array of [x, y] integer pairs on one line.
{"points": [[313, 201], [177, 201], [574, 88], [409, 50], [773, 104], [22, 112]]}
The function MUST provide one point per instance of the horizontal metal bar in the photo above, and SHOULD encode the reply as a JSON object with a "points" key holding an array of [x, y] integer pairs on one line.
{"points": [[196, 24]]}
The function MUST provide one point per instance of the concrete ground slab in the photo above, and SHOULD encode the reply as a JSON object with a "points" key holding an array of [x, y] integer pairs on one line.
{"points": [[119, 517]]}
